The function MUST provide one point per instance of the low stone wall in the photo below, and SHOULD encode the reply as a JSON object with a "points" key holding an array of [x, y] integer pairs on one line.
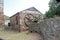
{"points": [[49, 29]]}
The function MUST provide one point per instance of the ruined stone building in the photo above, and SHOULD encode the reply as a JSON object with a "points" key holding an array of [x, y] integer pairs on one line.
{"points": [[1, 14], [17, 20]]}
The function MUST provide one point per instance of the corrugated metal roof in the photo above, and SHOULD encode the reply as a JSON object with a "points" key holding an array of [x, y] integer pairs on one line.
{"points": [[33, 9], [29, 9]]}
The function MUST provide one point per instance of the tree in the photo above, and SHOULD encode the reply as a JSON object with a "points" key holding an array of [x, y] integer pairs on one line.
{"points": [[57, 11], [53, 10], [52, 4]]}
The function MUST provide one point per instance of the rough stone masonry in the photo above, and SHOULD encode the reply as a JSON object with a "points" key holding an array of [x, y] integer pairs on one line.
{"points": [[49, 29]]}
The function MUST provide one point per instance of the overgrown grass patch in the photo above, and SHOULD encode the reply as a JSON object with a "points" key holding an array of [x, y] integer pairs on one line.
{"points": [[27, 33], [12, 35]]}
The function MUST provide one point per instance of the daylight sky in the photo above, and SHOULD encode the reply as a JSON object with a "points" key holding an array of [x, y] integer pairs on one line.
{"points": [[13, 6]]}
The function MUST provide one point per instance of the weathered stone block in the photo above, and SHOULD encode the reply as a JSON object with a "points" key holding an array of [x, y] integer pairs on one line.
{"points": [[49, 28]]}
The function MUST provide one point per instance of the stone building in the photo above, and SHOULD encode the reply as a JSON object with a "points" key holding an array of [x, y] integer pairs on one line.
{"points": [[1, 14], [17, 20]]}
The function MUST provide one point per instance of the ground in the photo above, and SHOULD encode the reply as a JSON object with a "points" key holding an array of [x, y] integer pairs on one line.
{"points": [[35, 36], [12, 35]]}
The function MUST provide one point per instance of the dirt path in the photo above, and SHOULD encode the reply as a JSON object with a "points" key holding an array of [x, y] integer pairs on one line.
{"points": [[35, 36]]}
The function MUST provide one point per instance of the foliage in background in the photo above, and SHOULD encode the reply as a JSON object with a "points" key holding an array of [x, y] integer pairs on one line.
{"points": [[52, 4], [6, 17], [53, 11]]}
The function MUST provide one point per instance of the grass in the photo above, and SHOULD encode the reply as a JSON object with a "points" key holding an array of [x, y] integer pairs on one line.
{"points": [[27, 33], [12, 35]]}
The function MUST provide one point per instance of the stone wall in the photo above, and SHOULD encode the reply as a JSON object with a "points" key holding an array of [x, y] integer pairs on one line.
{"points": [[22, 17], [15, 22], [49, 29]]}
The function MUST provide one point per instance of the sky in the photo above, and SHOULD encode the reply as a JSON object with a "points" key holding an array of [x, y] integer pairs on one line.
{"points": [[11, 7]]}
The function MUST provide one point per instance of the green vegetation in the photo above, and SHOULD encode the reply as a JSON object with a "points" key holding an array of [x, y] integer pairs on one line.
{"points": [[53, 11], [12, 35], [27, 33], [6, 17]]}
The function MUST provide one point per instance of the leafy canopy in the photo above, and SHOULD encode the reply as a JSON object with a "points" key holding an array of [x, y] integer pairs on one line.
{"points": [[53, 11]]}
